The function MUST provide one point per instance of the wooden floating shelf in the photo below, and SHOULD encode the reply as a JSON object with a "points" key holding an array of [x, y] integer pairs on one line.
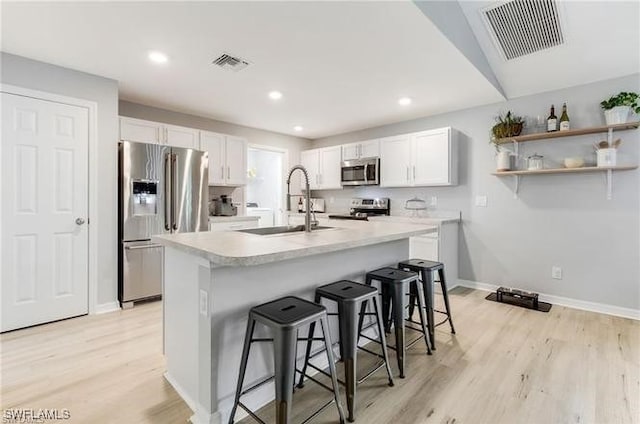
{"points": [[565, 170], [568, 133]]}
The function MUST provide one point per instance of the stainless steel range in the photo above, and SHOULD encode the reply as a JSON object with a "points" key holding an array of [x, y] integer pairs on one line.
{"points": [[361, 209]]}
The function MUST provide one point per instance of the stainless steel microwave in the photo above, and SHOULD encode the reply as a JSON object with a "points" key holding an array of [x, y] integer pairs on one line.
{"points": [[360, 172]]}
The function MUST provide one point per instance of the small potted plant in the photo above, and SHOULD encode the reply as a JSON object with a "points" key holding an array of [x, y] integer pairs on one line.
{"points": [[618, 107], [508, 125]]}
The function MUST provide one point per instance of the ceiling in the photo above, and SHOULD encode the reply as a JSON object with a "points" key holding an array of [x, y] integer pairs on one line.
{"points": [[341, 66]]}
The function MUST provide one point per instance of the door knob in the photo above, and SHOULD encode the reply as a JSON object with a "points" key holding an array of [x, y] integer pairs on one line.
{"points": [[79, 221]]}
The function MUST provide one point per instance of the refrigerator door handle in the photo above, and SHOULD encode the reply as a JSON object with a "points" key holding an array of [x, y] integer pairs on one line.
{"points": [[167, 192], [174, 190]]}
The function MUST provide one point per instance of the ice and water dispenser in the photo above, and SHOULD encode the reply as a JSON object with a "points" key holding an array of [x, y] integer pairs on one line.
{"points": [[145, 197]]}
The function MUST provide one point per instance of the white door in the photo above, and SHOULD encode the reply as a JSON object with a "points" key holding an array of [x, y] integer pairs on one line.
{"points": [[236, 161], [310, 159], [181, 137], [395, 161], [431, 157], [214, 144], [330, 171], [44, 239], [140, 130]]}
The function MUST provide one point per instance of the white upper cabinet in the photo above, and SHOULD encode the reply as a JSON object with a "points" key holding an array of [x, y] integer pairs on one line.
{"points": [[236, 158], [143, 131], [175, 136], [227, 158], [426, 158], [330, 169], [395, 161], [363, 149], [214, 144], [310, 159], [140, 131], [323, 167]]}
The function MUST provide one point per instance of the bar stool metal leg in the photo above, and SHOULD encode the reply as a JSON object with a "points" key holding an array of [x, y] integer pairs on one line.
{"points": [[284, 347], [445, 295], [383, 339], [251, 325], [427, 287], [324, 324], [348, 324], [423, 322], [397, 299]]}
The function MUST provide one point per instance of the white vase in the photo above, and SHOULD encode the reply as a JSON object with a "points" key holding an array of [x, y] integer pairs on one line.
{"points": [[607, 157], [503, 161], [617, 115]]}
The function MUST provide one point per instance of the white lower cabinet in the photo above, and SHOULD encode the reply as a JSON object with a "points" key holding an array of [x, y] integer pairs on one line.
{"points": [[440, 247], [233, 225]]}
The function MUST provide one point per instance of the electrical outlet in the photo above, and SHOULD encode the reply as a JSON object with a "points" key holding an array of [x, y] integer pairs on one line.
{"points": [[556, 272], [481, 201], [204, 303], [434, 201]]}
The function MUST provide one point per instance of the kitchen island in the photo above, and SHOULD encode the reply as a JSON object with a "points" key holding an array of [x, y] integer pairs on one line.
{"points": [[212, 279]]}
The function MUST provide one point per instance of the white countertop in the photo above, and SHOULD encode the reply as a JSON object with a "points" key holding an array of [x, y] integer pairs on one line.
{"points": [[432, 220], [237, 218], [234, 248]]}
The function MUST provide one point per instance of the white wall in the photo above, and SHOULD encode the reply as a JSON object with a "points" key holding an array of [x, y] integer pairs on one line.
{"points": [[41, 76], [560, 220]]}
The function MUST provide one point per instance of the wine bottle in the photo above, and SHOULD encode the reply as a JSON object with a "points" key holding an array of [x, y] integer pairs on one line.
{"points": [[552, 120], [300, 205], [564, 119]]}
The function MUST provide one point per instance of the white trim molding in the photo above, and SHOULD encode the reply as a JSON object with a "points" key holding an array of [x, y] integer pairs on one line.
{"points": [[93, 175], [584, 305], [104, 308]]}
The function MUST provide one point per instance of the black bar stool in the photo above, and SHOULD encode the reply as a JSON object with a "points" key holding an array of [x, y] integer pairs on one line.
{"points": [[427, 269], [394, 284], [350, 297], [284, 317]]}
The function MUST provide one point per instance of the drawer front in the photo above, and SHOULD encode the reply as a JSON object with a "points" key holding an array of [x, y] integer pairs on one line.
{"points": [[424, 247]]}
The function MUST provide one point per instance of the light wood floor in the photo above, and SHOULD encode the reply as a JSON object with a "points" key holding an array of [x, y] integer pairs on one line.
{"points": [[505, 365]]}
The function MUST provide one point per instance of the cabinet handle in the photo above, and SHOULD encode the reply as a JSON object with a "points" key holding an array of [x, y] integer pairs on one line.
{"points": [[222, 172], [228, 172], [414, 172], [407, 173]]}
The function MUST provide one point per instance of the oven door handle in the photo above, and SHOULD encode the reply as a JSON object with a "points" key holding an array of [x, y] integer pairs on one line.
{"points": [[366, 166]]}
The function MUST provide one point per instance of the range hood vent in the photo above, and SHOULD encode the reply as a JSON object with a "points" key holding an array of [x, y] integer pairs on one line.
{"points": [[523, 27], [231, 63]]}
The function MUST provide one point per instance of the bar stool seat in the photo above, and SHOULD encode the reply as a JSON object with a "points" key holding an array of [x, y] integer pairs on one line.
{"points": [[350, 297], [427, 269], [284, 317], [394, 284]]}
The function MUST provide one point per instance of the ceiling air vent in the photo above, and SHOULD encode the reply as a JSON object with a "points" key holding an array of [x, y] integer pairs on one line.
{"points": [[522, 27], [231, 63]]}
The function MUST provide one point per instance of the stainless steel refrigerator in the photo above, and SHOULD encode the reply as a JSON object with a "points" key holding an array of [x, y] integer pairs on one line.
{"points": [[162, 190]]}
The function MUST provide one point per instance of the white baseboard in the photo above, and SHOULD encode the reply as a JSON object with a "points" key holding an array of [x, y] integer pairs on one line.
{"points": [[584, 305], [103, 308]]}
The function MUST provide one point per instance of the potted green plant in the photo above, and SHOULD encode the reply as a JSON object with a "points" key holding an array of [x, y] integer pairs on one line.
{"points": [[618, 107], [507, 125]]}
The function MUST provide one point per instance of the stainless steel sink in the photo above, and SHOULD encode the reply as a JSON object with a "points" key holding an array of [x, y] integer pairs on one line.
{"points": [[265, 231]]}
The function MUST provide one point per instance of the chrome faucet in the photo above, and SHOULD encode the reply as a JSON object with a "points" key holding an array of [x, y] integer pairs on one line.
{"points": [[307, 195]]}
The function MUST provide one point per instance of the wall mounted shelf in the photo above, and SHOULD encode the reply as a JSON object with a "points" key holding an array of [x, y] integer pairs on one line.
{"points": [[608, 129], [568, 133]]}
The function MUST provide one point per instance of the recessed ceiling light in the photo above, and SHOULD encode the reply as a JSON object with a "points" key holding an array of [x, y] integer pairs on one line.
{"points": [[158, 57], [404, 101], [275, 95], [298, 128]]}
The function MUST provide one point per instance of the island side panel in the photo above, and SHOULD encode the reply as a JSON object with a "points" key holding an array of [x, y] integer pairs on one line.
{"points": [[234, 290], [184, 274]]}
